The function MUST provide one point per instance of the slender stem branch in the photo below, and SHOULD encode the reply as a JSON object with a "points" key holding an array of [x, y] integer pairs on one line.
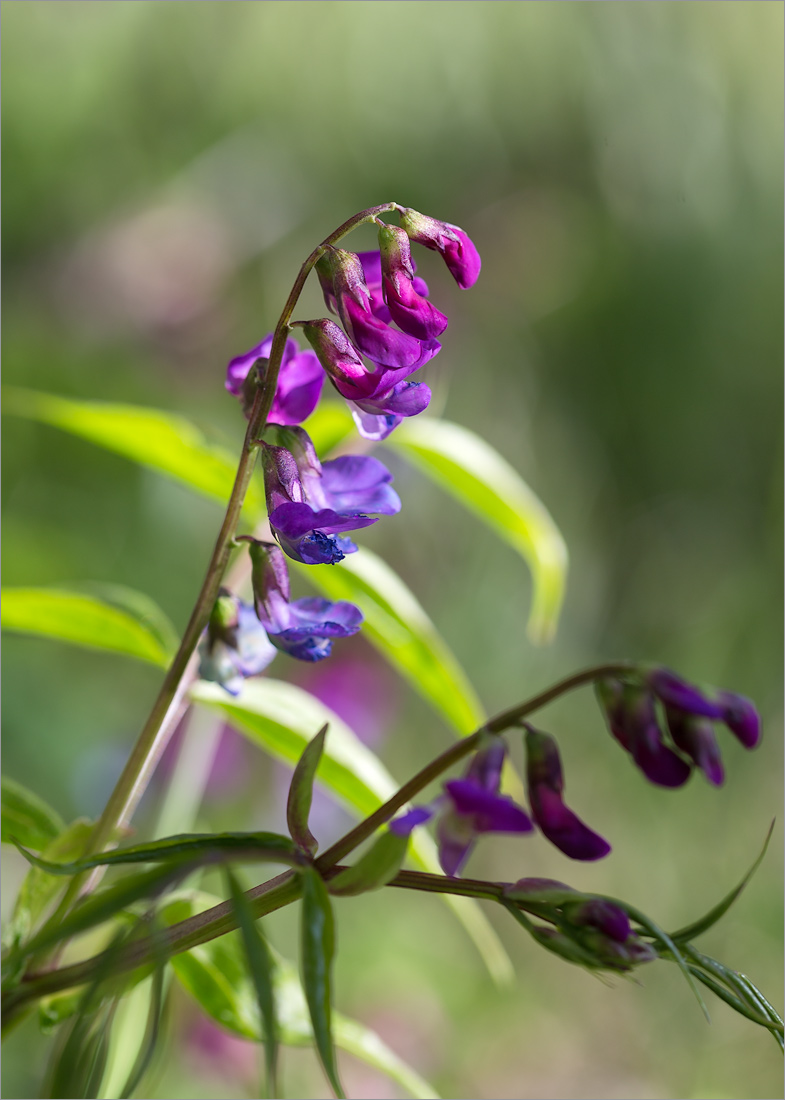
{"points": [[457, 752]]}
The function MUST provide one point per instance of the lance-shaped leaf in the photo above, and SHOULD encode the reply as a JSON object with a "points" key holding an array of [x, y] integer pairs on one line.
{"points": [[162, 441], [477, 476], [317, 947], [298, 804], [281, 717], [215, 974], [375, 868], [260, 967], [82, 620], [397, 624], [27, 817], [690, 931], [195, 847]]}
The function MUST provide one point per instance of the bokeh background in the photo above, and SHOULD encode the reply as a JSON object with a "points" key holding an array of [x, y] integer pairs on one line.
{"points": [[167, 166]]}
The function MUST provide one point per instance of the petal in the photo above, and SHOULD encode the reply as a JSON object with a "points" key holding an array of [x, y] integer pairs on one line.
{"points": [[295, 520], [486, 766], [695, 737], [319, 616], [403, 825], [671, 690], [741, 718], [657, 762], [375, 339], [299, 387], [238, 368], [564, 828], [414, 315], [603, 915], [358, 484], [489, 813], [371, 426], [405, 399]]}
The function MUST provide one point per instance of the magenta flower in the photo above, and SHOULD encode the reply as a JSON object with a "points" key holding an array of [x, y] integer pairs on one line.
{"points": [[300, 381], [235, 645], [545, 783], [311, 505], [458, 252], [468, 808], [411, 311], [302, 628]]}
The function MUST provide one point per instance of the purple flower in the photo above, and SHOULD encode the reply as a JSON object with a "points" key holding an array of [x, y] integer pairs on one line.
{"points": [[674, 692], [632, 719], [311, 505], [695, 737], [602, 915], [458, 252], [545, 784], [235, 644], [300, 381], [741, 718], [468, 808], [302, 628], [412, 312]]}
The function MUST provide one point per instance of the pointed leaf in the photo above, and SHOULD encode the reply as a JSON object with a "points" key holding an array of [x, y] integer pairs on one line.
{"points": [[477, 476], [690, 931], [374, 869], [298, 804], [162, 441], [261, 968], [281, 717], [317, 947], [27, 817], [399, 627], [82, 620]]}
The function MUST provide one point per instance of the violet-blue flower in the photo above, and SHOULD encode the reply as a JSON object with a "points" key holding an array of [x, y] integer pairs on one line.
{"points": [[235, 645], [311, 505], [299, 386], [302, 628], [545, 782]]}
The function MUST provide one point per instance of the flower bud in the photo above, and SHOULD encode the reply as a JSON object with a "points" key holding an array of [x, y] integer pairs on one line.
{"points": [[741, 718], [458, 252], [412, 313], [695, 737], [603, 915], [632, 719]]}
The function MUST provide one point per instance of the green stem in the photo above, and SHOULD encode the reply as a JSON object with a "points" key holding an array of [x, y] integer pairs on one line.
{"points": [[168, 705]]}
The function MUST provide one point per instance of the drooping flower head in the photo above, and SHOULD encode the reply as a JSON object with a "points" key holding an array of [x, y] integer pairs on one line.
{"points": [[311, 505], [545, 782], [299, 386], [411, 311], [455, 247], [303, 628], [235, 645]]}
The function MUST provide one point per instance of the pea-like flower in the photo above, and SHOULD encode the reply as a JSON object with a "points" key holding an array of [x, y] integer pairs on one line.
{"points": [[299, 387], [457, 250], [545, 782], [468, 808], [311, 505], [235, 645], [303, 628], [632, 719], [411, 311]]}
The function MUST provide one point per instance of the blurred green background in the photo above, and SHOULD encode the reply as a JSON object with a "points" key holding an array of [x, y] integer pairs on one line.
{"points": [[167, 166]]}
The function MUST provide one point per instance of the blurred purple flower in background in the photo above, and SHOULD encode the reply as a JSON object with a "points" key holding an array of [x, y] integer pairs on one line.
{"points": [[299, 386], [235, 645]]}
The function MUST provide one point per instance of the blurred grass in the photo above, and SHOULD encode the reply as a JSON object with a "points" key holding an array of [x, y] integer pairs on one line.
{"points": [[619, 165]]}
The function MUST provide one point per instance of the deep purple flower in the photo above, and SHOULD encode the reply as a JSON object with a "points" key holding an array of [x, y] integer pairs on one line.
{"points": [[602, 915], [672, 691], [300, 381], [741, 718], [545, 784], [469, 807], [412, 312], [457, 250], [235, 644], [695, 737], [632, 719], [302, 628], [311, 505]]}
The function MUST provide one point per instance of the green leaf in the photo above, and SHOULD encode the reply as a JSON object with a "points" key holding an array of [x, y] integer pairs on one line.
{"points": [[479, 478], [690, 931], [281, 717], [162, 441], [399, 627], [298, 804], [27, 818], [375, 868], [82, 620], [215, 975], [195, 847], [261, 967], [317, 947]]}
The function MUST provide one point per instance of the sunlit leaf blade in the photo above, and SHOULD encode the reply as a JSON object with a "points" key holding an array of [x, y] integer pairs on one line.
{"points": [[198, 847], [484, 482], [298, 803], [27, 817], [329, 426], [162, 441], [281, 718], [215, 975], [317, 947], [690, 931], [152, 1031], [261, 968], [81, 620], [397, 624], [140, 606]]}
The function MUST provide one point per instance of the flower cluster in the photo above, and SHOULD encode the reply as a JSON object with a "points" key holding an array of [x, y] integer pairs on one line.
{"points": [[313, 505], [630, 708]]}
